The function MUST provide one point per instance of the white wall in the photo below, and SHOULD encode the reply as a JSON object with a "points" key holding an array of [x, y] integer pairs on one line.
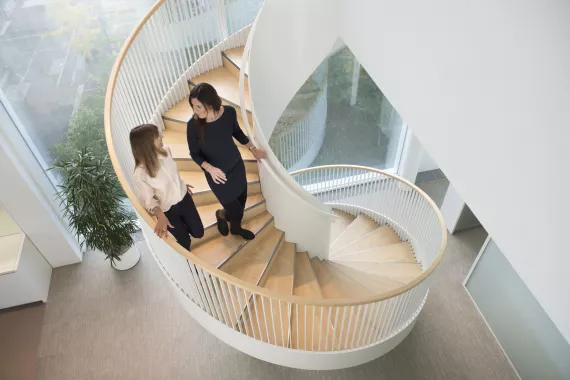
{"points": [[485, 86], [293, 37], [29, 197], [427, 163]]}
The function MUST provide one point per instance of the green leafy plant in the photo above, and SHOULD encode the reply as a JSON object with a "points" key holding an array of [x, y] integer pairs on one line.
{"points": [[86, 131], [91, 200]]}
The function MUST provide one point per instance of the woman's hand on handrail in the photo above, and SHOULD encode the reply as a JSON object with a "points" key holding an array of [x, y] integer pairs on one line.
{"points": [[258, 153]]}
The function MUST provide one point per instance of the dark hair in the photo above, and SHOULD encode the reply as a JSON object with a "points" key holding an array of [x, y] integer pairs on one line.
{"points": [[208, 96], [145, 152]]}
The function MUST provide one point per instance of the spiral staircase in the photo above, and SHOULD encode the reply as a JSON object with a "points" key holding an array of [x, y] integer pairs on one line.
{"points": [[339, 270]]}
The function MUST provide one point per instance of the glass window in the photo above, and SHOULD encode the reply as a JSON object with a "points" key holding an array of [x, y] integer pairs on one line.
{"points": [[339, 116], [55, 60]]}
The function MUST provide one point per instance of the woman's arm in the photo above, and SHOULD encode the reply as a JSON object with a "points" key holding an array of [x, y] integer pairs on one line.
{"points": [[150, 203], [193, 143], [244, 140]]}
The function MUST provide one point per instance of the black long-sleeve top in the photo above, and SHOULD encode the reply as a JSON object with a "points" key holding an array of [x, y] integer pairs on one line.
{"points": [[218, 147]]}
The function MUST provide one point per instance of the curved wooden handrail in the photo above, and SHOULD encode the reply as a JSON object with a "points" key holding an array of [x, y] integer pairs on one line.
{"points": [[209, 268]]}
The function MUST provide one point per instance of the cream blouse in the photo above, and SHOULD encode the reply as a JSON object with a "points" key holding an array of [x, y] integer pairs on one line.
{"points": [[165, 189]]}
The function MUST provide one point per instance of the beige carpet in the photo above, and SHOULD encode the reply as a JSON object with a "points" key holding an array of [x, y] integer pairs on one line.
{"points": [[104, 324]]}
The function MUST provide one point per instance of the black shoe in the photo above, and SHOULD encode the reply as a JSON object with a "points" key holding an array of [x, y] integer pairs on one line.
{"points": [[246, 234], [222, 223]]}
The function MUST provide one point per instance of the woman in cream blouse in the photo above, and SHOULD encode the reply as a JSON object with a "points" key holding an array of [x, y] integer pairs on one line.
{"points": [[160, 189]]}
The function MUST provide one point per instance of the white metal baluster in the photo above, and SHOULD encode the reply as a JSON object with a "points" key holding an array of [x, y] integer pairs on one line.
{"points": [[208, 37], [329, 325], [229, 304], [272, 321], [254, 296], [163, 63], [221, 302], [265, 321], [406, 312], [131, 108], [375, 321], [135, 96], [209, 279], [365, 323], [387, 315], [153, 43], [170, 48], [190, 35], [344, 309], [358, 322], [336, 335], [206, 294], [201, 299], [171, 20], [281, 324], [137, 81], [297, 318], [183, 35], [145, 79], [399, 312], [153, 73], [170, 51], [232, 289], [321, 329], [393, 316], [243, 312], [313, 329], [305, 327]]}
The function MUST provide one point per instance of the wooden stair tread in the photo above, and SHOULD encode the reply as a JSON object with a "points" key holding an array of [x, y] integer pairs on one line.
{"points": [[310, 325], [208, 212], [254, 206], [219, 250], [381, 236], [226, 84], [178, 145], [280, 277], [398, 252], [198, 180], [350, 287], [250, 263], [360, 227], [376, 283], [329, 287], [180, 112], [340, 224], [306, 283], [235, 55], [402, 272]]}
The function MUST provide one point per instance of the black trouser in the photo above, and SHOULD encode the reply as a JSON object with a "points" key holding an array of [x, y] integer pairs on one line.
{"points": [[234, 210], [185, 219]]}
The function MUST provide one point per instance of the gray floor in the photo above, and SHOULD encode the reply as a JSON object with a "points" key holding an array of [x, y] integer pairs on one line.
{"points": [[104, 324]]}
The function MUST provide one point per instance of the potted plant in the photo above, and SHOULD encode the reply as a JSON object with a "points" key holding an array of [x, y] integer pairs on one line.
{"points": [[92, 201]]}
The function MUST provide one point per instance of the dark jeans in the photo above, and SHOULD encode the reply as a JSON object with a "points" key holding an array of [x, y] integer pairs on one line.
{"points": [[185, 219], [234, 210]]}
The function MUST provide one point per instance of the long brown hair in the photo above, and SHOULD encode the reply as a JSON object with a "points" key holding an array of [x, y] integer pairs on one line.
{"points": [[145, 152], [208, 96]]}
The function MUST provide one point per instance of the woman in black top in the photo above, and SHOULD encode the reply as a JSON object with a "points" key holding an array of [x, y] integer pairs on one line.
{"points": [[210, 135]]}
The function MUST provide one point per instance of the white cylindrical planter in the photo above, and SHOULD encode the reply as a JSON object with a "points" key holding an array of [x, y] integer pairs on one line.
{"points": [[128, 259]]}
